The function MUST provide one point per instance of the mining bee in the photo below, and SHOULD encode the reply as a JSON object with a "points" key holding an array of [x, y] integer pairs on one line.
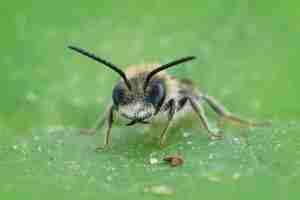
{"points": [[147, 91]]}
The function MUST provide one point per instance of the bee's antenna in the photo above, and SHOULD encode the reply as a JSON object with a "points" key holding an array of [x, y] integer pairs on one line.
{"points": [[165, 66], [106, 63]]}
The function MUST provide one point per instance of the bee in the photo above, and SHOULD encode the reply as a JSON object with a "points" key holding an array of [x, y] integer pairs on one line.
{"points": [[145, 92]]}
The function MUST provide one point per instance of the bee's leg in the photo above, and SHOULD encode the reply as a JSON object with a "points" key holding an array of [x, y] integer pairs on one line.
{"points": [[171, 112], [107, 137], [199, 110], [226, 115], [110, 120]]}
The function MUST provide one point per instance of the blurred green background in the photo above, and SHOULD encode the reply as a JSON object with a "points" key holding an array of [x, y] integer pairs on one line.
{"points": [[247, 58]]}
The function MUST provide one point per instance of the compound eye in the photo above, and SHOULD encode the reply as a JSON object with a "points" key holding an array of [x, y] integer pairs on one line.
{"points": [[118, 95], [156, 94]]}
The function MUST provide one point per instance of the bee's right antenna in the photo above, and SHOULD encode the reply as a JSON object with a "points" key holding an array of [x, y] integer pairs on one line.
{"points": [[106, 63], [165, 66]]}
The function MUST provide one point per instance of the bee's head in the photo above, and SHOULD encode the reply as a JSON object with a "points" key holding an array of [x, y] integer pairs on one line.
{"points": [[138, 98], [139, 104]]}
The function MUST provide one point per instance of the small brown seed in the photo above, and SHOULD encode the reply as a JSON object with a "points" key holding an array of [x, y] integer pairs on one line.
{"points": [[174, 160]]}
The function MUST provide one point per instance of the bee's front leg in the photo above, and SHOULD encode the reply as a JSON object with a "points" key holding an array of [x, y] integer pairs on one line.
{"points": [[110, 119], [171, 107]]}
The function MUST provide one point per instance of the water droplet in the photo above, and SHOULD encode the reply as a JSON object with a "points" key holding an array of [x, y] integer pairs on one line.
{"points": [[153, 161], [109, 178], [160, 189], [211, 156], [186, 134], [236, 176]]}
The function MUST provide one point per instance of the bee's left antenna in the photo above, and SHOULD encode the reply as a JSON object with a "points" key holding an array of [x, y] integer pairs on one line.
{"points": [[106, 63], [165, 66]]}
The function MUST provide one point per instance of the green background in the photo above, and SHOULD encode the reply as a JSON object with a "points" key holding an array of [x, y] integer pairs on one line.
{"points": [[247, 58]]}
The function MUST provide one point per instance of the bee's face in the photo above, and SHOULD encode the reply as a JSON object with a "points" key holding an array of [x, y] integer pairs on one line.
{"points": [[138, 104]]}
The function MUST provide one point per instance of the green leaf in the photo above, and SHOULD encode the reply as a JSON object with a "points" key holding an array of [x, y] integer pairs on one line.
{"points": [[247, 58]]}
